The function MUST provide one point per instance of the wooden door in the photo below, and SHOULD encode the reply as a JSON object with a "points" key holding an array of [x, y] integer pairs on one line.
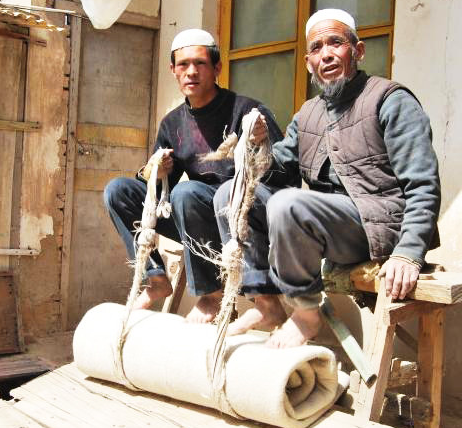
{"points": [[115, 114], [13, 54]]}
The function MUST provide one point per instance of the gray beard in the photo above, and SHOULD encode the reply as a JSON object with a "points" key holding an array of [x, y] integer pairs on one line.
{"points": [[334, 89], [330, 89]]}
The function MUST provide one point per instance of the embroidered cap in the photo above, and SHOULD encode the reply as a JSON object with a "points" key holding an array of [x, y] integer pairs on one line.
{"points": [[192, 37], [335, 14]]}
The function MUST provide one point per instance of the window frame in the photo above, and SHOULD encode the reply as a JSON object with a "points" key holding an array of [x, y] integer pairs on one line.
{"points": [[298, 45]]}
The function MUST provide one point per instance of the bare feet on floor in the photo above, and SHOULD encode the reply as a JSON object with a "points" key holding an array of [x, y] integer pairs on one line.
{"points": [[206, 308], [267, 314], [159, 287], [304, 324]]}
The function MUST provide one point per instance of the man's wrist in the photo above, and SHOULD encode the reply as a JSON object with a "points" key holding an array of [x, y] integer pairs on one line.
{"points": [[407, 260]]}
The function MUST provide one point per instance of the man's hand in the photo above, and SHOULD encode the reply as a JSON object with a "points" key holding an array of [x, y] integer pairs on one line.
{"points": [[260, 131], [165, 165], [400, 277]]}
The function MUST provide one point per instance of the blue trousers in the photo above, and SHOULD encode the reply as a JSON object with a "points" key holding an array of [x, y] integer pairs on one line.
{"points": [[192, 215], [256, 271]]}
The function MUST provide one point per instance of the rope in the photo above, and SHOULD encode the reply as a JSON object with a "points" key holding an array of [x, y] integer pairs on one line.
{"points": [[251, 163], [144, 243]]}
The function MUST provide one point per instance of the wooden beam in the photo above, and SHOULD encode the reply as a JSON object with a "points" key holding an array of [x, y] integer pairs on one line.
{"points": [[406, 338], [379, 349], [402, 311], [440, 287], [128, 18], [264, 49], [402, 373], [22, 365], [76, 35], [120, 136], [154, 84], [437, 287], [430, 360], [18, 252], [172, 302], [225, 41], [95, 180], [25, 38], [301, 77], [12, 125]]}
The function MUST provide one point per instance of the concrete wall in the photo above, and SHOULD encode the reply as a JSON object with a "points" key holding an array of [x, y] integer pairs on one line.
{"points": [[428, 60], [176, 16]]}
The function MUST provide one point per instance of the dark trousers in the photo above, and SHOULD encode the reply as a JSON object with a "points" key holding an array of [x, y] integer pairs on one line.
{"points": [[306, 226], [192, 216]]}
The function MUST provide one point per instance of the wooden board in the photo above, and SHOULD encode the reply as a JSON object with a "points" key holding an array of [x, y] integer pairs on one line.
{"points": [[95, 180], [444, 287], [431, 362], [9, 334], [437, 287], [109, 158], [113, 118], [99, 268], [91, 133], [22, 365], [42, 182], [67, 398], [115, 76], [13, 418], [10, 64]]}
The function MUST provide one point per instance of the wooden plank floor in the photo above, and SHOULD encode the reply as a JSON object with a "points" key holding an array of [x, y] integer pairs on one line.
{"points": [[21, 365], [65, 398]]}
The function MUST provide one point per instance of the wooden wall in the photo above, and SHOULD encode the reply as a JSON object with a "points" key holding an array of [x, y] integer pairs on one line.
{"points": [[93, 93], [42, 182]]}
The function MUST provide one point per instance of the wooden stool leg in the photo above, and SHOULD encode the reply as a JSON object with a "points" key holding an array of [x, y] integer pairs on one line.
{"points": [[430, 360], [379, 350], [172, 302]]}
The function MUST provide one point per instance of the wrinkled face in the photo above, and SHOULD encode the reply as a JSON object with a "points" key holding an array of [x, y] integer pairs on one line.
{"points": [[195, 74], [330, 55]]}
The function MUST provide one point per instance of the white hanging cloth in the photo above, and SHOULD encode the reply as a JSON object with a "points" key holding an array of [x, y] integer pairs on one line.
{"points": [[103, 13]]}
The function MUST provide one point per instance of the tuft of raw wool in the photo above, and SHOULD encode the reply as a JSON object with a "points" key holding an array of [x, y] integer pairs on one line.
{"points": [[144, 243]]}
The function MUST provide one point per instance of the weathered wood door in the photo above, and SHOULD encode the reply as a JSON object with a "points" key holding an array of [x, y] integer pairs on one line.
{"points": [[13, 54], [112, 125]]}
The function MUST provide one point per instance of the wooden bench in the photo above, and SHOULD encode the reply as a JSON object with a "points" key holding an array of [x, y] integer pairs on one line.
{"points": [[435, 291]]}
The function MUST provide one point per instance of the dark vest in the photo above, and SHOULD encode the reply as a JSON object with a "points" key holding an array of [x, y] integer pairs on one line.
{"points": [[354, 143]]}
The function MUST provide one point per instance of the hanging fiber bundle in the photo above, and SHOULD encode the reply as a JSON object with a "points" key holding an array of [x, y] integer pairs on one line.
{"points": [[251, 162], [144, 243]]}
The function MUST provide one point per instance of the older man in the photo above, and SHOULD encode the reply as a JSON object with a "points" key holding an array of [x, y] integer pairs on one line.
{"points": [[194, 128], [364, 148]]}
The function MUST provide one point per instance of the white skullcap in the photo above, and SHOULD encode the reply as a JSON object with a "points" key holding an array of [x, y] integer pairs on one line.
{"points": [[335, 14], [192, 37]]}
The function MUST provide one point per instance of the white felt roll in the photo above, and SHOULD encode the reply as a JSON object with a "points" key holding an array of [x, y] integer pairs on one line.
{"points": [[165, 355]]}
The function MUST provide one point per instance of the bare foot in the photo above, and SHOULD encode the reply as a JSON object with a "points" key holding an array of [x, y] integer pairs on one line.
{"points": [[206, 308], [304, 324], [159, 287], [267, 314]]}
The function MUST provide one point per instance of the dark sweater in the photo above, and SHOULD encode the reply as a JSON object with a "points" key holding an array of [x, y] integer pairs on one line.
{"points": [[192, 132]]}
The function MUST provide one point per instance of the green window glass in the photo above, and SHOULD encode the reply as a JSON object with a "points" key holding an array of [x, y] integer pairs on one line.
{"points": [[263, 21], [268, 78]]}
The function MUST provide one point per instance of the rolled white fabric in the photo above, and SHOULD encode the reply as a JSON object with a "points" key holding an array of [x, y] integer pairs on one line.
{"points": [[165, 355]]}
